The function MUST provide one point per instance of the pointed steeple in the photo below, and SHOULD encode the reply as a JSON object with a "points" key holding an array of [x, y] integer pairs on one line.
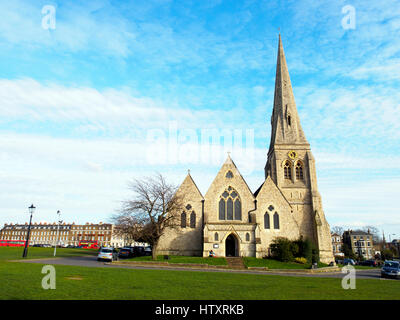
{"points": [[285, 121]]}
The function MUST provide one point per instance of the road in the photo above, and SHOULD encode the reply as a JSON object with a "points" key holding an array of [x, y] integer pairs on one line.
{"points": [[90, 261]]}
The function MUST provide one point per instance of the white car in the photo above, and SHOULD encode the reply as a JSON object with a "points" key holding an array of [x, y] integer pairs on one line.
{"points": [[109, 254]]}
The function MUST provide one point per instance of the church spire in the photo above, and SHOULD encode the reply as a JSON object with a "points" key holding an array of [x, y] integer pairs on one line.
{"points": [[285, 121]]}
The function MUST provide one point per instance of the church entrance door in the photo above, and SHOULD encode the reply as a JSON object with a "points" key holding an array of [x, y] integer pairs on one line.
{"points": [[230, 246]]}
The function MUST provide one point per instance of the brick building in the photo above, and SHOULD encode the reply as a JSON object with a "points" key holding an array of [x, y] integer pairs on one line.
{"points": [[68, 234]]}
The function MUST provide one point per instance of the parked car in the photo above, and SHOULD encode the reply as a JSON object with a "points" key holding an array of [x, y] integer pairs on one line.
{"points": [[349, 262], [126, 253], [36, 245], [391, 269], [370, 263], [138, 251], [46, 245], [147, 251], [109, 254]]}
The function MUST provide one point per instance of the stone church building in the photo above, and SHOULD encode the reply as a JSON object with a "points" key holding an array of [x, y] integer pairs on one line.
{"points": [[232, 220]]}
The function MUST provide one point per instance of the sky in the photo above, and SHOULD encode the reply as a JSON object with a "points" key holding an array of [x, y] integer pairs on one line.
{"points": [[95, 94]]}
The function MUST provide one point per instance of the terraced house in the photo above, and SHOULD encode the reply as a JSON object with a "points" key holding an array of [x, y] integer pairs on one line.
{"points": [[64, 234], [232, 220]]}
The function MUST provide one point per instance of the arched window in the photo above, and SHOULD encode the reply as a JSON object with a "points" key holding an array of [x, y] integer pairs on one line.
{"points": [[276, 220], [247, 236], [287, 169], [222, 209], [230, 206], [229, 174], [183, 220], [193, 220], [289, 120], [238, 210], [266, 221], [229, 211], [216, 238], [299, 171]]}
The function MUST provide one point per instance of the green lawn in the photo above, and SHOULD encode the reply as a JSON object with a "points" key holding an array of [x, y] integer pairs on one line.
{"points": [[15, 253], [183, 259], [275, 264], [23, 281]]}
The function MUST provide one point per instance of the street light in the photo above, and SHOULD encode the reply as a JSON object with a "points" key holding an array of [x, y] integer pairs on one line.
{"points": [[58, 228], [31, 211]]}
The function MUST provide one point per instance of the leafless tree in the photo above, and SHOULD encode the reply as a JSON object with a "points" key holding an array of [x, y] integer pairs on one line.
{"points": [[338, 230], [154, 207], [374, 231]]}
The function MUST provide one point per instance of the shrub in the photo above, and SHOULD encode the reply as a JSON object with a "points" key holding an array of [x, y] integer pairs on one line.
{"points": [[387, 254], [301, 260], [281, 249], [305, 249]]}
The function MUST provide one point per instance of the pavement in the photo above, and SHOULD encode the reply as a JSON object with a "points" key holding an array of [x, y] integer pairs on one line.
{"points": [[91, 261]]}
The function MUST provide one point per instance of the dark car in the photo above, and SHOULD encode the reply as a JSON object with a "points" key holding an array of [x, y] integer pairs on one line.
{"points": [[349, 262], [126, 253], [369, 263], [138, 251], [391, 269], [147, 251]]}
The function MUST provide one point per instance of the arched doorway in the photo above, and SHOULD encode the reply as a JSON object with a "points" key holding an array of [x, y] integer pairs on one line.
{"points": [[231, 247]]}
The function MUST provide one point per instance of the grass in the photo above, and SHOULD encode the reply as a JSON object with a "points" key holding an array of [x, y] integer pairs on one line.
{"points": [[183, 259], [275, 264], [23, 281], [15, 253]]}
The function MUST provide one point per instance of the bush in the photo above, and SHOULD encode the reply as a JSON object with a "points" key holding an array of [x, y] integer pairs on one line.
{"points": [[387, 254], [300, 260], [315, 255], [283, 249], [305, 249]]}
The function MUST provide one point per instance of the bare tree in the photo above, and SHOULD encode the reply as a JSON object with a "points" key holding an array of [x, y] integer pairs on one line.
{"points": [[374, 231], [338, 230], [154, 207]]}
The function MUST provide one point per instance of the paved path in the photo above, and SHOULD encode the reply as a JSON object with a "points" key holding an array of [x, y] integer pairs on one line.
{"points": [[90, 261]]}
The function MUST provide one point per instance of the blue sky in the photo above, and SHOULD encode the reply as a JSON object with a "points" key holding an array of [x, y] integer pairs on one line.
{"points": [[84, 106]]}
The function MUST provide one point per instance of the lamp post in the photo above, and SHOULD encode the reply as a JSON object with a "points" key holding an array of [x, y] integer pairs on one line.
{"points": [[58, 229], [31, 211]]}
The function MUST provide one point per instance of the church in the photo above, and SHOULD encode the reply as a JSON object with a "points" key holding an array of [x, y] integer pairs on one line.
{"points": [[232, 220]]}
